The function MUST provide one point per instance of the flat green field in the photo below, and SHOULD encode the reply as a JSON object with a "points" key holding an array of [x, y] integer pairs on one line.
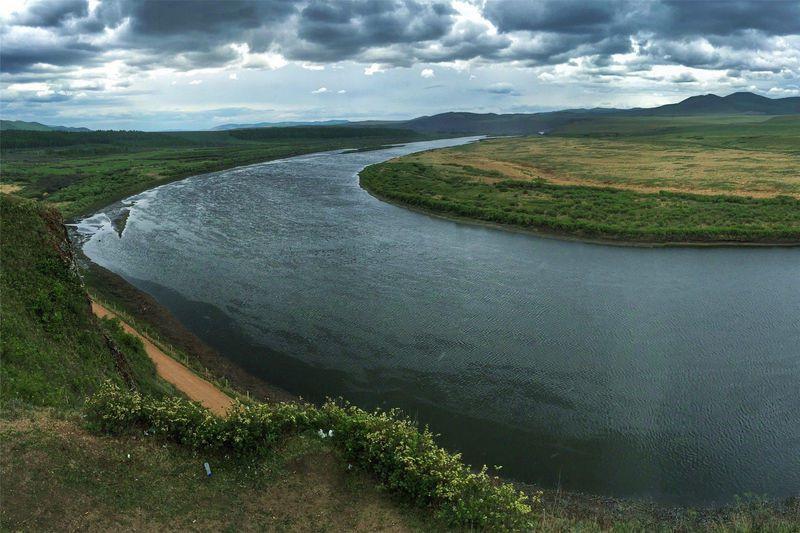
{"points": [[80, 172], [637, 179]]}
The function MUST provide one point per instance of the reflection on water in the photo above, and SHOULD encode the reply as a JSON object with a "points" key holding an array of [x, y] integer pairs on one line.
{"points": [[666, 373]]}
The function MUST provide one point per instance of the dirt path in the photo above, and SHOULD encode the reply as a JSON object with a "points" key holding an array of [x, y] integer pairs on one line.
{"points": [[186, 381]]}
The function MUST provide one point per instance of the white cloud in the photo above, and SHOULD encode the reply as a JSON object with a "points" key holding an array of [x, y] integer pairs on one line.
{"points": [[195, 82], [341, 91], [24, 87], [320, 90], [427, 73], [374, 68], [266, 60], [233, 76]]}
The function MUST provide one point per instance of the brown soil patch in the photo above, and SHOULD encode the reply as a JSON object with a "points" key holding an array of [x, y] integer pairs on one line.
{"points": [[186, 381], [144, 309], [9, 188]]}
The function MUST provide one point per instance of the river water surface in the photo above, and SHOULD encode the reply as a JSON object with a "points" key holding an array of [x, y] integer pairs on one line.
{"points": [[665, 373]]}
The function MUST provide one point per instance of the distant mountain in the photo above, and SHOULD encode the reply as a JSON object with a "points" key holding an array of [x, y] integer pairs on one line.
{"points": [[280, 124], [498, 124], [733, 104], [8, 125], [532, 123]]}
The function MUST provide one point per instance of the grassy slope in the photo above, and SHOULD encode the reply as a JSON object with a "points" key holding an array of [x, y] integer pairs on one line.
{"points": [[80, 172], [685, 179], [58, 476], [54, 351]]}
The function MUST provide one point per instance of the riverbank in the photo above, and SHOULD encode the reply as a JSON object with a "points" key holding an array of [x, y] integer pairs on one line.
{"points": [[187, 382], [563, 236], [146, 314], [81, 172], [549, 210], [679, 187]]}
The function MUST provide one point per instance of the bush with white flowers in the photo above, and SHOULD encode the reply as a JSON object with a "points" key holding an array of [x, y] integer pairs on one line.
{"points": [[405, 458]]}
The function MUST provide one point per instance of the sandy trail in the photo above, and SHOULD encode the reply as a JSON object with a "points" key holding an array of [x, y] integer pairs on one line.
{"points": [[186, 381]]}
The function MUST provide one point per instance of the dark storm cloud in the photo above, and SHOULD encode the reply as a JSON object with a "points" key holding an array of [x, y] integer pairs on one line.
{"points": [[186, 35], [332, 31], [725, 17], [48, 14], [20, 57], [563, 28], [666, 18], [559, 16]]}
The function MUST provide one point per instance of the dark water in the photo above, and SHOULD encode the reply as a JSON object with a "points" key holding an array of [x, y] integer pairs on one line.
{"points": [[672, 374]]}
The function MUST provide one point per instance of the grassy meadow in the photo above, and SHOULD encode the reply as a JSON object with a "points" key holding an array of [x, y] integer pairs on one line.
{"points": [[82, 171], [681, 179]]}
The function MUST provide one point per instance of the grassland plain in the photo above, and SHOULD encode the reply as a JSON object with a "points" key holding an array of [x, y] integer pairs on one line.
{"points": [[82, 171], [647, 180]]}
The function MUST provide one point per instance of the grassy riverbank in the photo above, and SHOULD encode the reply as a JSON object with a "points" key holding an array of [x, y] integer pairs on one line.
{"points": [[675, 180], [83, 171]]}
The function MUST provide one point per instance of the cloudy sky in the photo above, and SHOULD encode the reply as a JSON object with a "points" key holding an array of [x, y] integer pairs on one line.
{"points": [[195, 64]]}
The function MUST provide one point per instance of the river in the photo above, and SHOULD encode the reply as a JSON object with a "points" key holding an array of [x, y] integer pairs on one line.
{"points": [[671, 374]]}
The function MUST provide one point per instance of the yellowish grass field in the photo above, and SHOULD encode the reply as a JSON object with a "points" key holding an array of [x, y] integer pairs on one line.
{"points": [[633, 165]]}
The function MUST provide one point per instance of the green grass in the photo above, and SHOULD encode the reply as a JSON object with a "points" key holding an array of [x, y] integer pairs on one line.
{"points": [[653, 180], [83, 171], [57, 476], [54, 351]]}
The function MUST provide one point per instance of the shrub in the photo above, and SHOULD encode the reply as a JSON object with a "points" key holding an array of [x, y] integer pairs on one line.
{"points": [[403, 457]]}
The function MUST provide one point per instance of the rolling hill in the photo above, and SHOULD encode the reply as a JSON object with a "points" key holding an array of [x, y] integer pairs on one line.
{"points": [[733, 104], [741, 103], [21, 125], [223, 127]]}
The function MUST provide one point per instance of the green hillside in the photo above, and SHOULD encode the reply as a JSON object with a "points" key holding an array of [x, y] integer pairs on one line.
{"points": [[54, 351], [21, 125]]}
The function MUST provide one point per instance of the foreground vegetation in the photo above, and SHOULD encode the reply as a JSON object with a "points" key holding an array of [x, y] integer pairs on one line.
{"points": [[59, 476], [647, 180], [83, 171], [54, 352], [404, 459]]}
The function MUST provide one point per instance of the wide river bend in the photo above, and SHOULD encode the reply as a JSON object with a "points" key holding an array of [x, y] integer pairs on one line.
{"points": [[665, 373]]}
